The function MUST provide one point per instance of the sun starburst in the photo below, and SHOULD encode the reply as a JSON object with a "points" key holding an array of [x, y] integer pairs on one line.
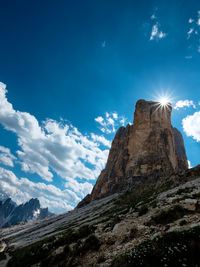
{"points": [[164, 101]]}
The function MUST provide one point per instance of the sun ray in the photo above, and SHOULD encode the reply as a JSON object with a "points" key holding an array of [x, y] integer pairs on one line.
{"points": [[164, 101]]}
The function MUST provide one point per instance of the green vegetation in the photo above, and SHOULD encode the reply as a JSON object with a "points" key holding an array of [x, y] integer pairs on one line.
{"points": [[174, 249], [142, 210], [184, 190], [91, 243], [168, 216], [146, 193], [2, 256], [182, 222], [113, 221], [101, 259], [133, 232], [44, 250]]}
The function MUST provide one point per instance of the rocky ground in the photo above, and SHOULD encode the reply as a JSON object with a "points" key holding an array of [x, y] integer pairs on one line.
{"points": [[154, 222]]}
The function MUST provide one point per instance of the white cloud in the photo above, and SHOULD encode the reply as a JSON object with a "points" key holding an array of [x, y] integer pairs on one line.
{"points": [[156, 33], [190, 31], [100, 120], [188, 57], [80, 188], [184, 103], [101, 139], [52, 146], [153, 16], [194, 29], [191, 126], [115, 115], [21, 190], [6, 157], [110, 122], [161, 35]]}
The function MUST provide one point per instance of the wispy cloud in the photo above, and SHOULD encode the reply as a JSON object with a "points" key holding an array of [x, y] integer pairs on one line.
{"points": [[22, 189], [156, 33], [110, 121], [184, 103], [101, 139], [190, 31], [153, 16], [194, 31], [103, 44], [188, 57], [6, 157], [80, 188]]}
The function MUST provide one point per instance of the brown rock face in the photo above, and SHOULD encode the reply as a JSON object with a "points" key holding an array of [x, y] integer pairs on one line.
{"points": [[149, 147]]}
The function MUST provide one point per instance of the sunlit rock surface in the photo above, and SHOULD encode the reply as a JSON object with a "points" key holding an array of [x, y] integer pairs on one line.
{"points": [[150, 147]]}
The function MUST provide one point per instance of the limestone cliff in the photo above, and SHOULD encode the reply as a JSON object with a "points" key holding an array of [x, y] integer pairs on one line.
{"points": [[150, 147]]}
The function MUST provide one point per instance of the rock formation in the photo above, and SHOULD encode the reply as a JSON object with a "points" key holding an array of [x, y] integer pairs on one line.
{"points": [[150, 147], [11, 214]]}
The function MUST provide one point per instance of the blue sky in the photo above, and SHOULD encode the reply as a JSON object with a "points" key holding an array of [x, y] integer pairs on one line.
{"points": [[73, 72]]}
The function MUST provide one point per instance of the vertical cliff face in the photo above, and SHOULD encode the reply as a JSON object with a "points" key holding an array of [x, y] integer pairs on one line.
{"points": [[112, 178], [149, 147], [152, 141]]}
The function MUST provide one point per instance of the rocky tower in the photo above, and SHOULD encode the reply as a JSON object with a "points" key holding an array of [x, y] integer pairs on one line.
{"points": [[150, 147]]}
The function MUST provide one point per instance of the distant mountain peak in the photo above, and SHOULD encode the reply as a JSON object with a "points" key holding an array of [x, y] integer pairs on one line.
{"points": [[11, 214]]}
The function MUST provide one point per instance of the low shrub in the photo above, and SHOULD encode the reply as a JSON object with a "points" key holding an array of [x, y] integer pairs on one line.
{"points": [[2, 256], [133, 232], [142, 210], [182, 222], [174, 249], [170, 215], [101, 259], [42, 251], [91, 243]]}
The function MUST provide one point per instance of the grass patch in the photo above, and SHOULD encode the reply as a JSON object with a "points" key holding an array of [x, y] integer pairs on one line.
{"points": [[174, 249], [101, 259], [185, 190], [182, 222], [116, 219], [133, 232], [91, 243], [2, 256], [142, 210], [42, 251], [170, 215]]}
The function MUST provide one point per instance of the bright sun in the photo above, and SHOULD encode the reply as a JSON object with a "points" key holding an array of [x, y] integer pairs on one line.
{"points": [[164, 101]]}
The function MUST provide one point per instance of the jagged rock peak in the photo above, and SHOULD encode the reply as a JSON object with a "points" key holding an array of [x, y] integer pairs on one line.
{"points": [[150, 147], [11, 214]]}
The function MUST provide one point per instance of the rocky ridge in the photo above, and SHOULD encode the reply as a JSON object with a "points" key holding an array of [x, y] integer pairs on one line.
{"points": [[11, 214], [108, 231]]}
